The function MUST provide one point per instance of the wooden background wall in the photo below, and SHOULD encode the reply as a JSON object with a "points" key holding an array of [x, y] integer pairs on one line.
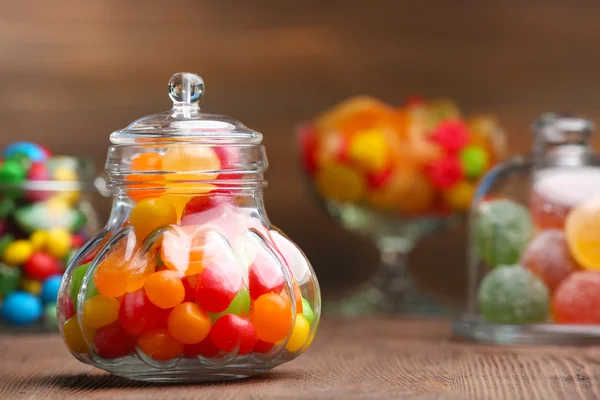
{"points": [[71, 72]]}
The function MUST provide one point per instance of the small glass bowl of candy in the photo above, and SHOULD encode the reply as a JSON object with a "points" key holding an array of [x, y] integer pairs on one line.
{"points": [[46, 214], [188, 281], [534, 273], [396, 175]]}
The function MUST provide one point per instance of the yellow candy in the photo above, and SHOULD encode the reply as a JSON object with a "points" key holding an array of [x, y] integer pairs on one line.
{"points": [[369, 149], [74, 337], [149, 214], [31, 286], [299, 335], [39, 240], [460, 195], [193, 159], [59, 242], [18, 252], [583, 234], [64, 174], [100, 311], [339, 182], [183, 192]]}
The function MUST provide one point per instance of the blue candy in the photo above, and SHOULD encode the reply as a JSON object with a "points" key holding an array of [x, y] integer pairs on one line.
{"points": [[50, 287], [21, 308], [31, 150]]}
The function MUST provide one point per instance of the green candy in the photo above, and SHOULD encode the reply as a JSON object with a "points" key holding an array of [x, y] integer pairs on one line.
{"points": [[240, 305], [12, 174], [502, 231], [7, 207], [77, 281], [23, 160], [474, 161], [36, 217], [10, 277], [5, 240], [50, 315], [513, 295], [308, 312]]}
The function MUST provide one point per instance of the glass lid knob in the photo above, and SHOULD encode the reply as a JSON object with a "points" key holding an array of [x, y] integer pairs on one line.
{"points": [[556, 129], [186, 89]]}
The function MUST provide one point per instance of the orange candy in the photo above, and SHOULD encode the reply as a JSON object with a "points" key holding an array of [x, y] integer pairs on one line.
{"points": [[272, 317], [182, 249], [159, 344], [149, 214], [145, 162], [123, 270], [164, 289], [196, 160], [188, 323]]}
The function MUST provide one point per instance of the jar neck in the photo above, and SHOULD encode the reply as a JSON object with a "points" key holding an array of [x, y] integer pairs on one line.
{"points": [[562, 141]]}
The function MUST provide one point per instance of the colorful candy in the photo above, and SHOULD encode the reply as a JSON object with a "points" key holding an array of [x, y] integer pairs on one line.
{"points": [[159, 345], [577, 299], [583, 236], [112, 341], [21, 308], [164, 289], [272, 317], [232, 332], [513, 295], [137, 314], [188, 323]]}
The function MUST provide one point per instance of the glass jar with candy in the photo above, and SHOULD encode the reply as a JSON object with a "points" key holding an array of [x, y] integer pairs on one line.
{"points": [[534, 273], [188, 281], [46, 215]]}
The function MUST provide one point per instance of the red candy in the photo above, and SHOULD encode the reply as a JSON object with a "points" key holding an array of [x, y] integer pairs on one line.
{"points": [[77, 241], [307, 139], [577, 299], [41, 266], [137, 314], [452, 135], [190, 292], [262, 347], [445, 173], [112, 341], [378, 179], [199, 204], [205, 348], [231, 331], [38, 172], [229, 157], [216, 288], [264, 276]]}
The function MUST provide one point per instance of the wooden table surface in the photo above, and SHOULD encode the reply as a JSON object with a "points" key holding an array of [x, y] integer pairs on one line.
{"points": [[350, 359]]}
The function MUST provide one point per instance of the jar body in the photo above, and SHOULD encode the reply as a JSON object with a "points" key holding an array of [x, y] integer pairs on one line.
{"points": [[534, 274], [42, 226], [188, 284]]}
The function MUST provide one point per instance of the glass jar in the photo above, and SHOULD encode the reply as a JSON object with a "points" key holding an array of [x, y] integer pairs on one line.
{"points": [[46, 214], [534, 273], [188, 281]]}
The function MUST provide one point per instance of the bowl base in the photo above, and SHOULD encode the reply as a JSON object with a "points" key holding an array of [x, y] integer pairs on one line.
{"points": [[475, 330]]}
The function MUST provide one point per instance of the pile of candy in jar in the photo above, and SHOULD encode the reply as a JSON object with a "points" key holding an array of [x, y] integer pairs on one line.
{"points": [[421, 158], [38, 232], [543, 260], [187, 294]]}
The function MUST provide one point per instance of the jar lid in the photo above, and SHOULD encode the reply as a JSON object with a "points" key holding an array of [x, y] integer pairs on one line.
{"points": [[185, 121]]}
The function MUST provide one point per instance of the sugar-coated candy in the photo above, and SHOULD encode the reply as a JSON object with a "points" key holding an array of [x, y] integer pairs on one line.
{"points": [[159, 344], [231, 332], [445, 173], [583, 236], [50, 315], [299, 337], [59, 242], [188, 323], [576, 300], [502, 231], [272, 317], [137, 314], [9, 279], [452, 135], [164, 288], [407, 191], [76, 339], [33, 151], [32, 286], [340, 182], [474, 161], [240, 305], [149, 214], [112, 341], [50, 288], [17, 252], [100, 311], [460, 195], [332, 149], [308, 312], [205, 348], [513, 295], [548, 257], [369, 150], [42, 265], [486, 133], [21, 308], [216, 287]]}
